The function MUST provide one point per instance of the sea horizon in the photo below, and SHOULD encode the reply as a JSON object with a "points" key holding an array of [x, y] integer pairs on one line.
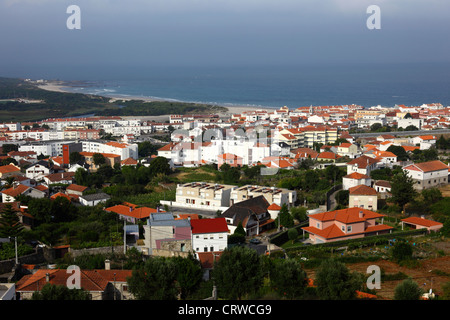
{"points": [[384, 85]]}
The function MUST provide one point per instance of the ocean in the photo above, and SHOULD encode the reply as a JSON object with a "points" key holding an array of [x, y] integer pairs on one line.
{"points": [[275, 86]]}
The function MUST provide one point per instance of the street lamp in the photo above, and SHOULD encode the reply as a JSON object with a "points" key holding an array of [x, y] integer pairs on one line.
{"points": [[15, 244]]}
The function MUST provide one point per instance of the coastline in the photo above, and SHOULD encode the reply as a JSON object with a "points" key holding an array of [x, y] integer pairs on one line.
{"points": [[62, 86]]}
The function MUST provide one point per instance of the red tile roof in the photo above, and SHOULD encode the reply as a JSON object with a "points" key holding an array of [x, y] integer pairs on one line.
{"points": [[76, 187], [429, 166], [16, 190], [356, 176], [362, 189], [421, 221], [348, 215], [9, 168], [209, 225]]}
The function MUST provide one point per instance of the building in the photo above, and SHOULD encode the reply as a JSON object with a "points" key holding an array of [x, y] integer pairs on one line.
{"points": [[132, 213], [351, 223], [428, 174], [166, 236], [355, 179], [94, 199], [203, 195], [100, 284], [228, 158], [362, 164], [252, 213], [420, 223], [275, 195], [364, 197], [209, 235], [9, 170]]}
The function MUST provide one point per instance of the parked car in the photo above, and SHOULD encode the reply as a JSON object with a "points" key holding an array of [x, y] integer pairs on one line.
{"points": [[255, 241]]}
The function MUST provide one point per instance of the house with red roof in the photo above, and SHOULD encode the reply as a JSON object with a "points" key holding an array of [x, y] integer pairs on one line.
{"points": [[362, 164], [421, 222], [355, 179], [230, 159], [347, 149], [9, 171], [209, 235], [344, 224], [363, 196], [100, 284], [428, 174], [131, 212]]}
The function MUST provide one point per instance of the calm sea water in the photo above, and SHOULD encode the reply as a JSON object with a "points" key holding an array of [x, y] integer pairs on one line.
{"points": [[366, 85]]}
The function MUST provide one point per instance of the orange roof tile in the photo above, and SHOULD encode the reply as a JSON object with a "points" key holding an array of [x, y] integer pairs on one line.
{"points": [[362, 189], [421, 221]]}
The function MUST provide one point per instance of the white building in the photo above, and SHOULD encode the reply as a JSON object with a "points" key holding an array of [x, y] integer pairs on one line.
{"points": [[209, 235], [428, 174]]}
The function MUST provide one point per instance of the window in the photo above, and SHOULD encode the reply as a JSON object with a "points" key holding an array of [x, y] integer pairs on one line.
{"points": [[318, 225], [343, 228], [205, 249], [211, 249], [349, 228]]}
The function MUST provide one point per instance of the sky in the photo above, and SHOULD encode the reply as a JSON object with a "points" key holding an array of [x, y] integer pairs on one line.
{"points": [[146, 33]]}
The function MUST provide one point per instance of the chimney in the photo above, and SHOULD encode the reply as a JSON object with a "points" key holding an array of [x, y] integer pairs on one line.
{"points": [[107, 265], [422, 217], [361, 214], [47, 277]]}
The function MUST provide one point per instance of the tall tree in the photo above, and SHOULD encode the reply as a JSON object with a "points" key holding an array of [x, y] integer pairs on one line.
{"points": [[288, 278], [402, 189], [155, 280], [189, 275], [335, 282], [285, 218], [10, 225], [238, 273]]}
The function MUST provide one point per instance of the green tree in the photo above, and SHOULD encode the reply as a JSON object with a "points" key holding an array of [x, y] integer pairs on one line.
{"points": [[292, 234], [402, 189], [402, 251], [189, 275], [299, 213], [10, 225], [98, 159], [238, 273], [160, 165], [431, 195], [311, 179], [446, 291], [408, 290], [335, 282], [288, 278], [155, 280], [60, 292], [74, 157], [285, 218], [399, 151]]}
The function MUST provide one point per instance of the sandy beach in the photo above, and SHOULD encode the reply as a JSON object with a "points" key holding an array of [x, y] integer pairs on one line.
{"points": [[60, 86]]}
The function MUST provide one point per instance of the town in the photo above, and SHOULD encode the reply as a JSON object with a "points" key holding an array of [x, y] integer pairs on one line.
{"points": [[309, 189]]}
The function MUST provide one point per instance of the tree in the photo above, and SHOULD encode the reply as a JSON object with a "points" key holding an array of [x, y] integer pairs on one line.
{"points": [[311, 179], [74, 157], [155, 280], [299, 213], [292, 234], [408, 290], [402, 251], [238, 273], [160, 165], [285, 218], [60, 292], [10, 225], [288, 278], [431, 195], [189, 275], [98, 159], [335, 282], [446, 291], [402, 189], [399, 151], [374, 127], [411, 128]]}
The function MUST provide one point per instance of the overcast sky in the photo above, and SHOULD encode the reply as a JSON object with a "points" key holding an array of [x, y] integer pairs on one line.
{"points": [[220, 32]]}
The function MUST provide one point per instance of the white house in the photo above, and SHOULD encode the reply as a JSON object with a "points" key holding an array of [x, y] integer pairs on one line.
{"points": [[209, 235], [428, 174], [94, 199]]}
